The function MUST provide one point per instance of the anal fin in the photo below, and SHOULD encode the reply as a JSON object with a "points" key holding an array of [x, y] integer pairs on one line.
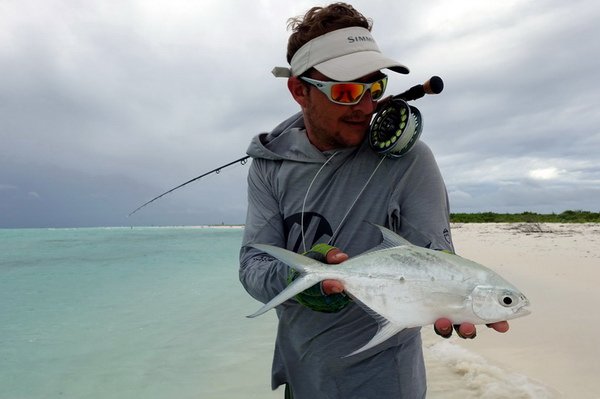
{"points": [[386, 331], [386, 328]]}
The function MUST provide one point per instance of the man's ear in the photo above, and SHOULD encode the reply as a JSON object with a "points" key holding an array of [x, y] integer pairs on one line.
{"points": [[298, 90]]}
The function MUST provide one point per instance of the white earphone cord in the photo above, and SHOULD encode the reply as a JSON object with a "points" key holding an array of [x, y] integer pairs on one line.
{"points": [[349, 209], [306, 196]]}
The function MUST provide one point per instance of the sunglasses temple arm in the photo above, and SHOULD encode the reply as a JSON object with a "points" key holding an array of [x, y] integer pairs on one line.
{"points": [[434, 85]]}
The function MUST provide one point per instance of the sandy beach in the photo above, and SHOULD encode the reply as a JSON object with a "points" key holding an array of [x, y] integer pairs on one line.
{"points": [[555, 351], [552, 353]]}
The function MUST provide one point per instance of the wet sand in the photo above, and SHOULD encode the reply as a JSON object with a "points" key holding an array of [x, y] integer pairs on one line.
{"points": [[555, 351]]}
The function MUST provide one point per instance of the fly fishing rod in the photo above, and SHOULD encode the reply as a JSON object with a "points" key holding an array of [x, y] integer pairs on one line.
{"points": [[242, 161], [395, 128]]}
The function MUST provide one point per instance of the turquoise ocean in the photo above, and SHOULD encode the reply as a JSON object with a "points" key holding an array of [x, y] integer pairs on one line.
{"points": [[129, 313], [122, 313]]}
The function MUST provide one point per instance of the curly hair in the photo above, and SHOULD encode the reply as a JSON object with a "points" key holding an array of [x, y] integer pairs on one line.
{"points": [[320, 20]]}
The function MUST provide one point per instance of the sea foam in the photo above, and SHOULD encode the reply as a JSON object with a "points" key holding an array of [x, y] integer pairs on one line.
{"points": [[455, 372]]}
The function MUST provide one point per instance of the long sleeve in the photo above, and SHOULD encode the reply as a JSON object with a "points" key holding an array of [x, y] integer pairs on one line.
{"points": [[261, 275], [420, 209]]}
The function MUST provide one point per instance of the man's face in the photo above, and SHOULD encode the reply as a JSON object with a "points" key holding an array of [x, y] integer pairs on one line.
{"points": [[330, 125]]}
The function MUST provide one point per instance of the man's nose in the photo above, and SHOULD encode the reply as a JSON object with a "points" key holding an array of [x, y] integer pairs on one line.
{"points": [[366, 104]]}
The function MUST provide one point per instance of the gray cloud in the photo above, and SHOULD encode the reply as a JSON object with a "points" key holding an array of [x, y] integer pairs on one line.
{"points": [[104, 106]]}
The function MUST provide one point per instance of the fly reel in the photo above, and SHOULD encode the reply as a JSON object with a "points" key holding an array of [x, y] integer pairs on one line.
{"points": [[395, 129]]}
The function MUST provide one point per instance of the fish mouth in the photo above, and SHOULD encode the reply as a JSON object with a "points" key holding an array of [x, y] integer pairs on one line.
{"points": [[522, 309], [522, 312]]}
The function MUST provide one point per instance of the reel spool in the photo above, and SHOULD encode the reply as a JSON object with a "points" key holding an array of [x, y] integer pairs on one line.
{"points": [[395, 129]]}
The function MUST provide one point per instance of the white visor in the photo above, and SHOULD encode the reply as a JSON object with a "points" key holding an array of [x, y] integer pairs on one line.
{"points": [[344, 55]]}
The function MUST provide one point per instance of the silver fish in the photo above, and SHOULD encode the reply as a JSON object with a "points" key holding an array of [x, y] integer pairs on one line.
{"points": [[402, 286]]}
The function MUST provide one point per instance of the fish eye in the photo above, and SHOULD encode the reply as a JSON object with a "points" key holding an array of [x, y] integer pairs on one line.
{"points": [[508, 300]]}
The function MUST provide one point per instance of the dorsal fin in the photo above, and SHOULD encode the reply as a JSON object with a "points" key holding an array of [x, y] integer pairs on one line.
{"points": [[390, 239]]}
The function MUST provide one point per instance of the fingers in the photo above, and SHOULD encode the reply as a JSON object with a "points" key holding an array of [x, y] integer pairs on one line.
{"points": [[330, 287], [336, 255], [466, 330], [501, 326], [443, 327]]}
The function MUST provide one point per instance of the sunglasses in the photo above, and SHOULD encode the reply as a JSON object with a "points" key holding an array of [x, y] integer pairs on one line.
{"points": [[349, 93]]}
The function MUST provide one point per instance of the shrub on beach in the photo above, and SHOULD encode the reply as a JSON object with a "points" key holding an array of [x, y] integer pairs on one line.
{"points": [[527, 217]]}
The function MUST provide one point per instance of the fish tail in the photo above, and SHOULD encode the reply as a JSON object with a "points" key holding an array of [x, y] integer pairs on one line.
{"points": [[308, 267], [291, 291], [301, 263]]}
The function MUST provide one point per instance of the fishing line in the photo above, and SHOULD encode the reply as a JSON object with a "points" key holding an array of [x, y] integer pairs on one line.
{"points": [[306, 196], [333, 236], [355, 201]]}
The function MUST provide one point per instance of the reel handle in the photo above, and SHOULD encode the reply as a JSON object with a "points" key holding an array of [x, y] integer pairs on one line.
{"points": [[433, 85], [396, 126]]}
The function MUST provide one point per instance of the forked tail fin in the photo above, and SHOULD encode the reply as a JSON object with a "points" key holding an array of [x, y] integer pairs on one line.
{"points": [[301, 263], [292, 290], [305, 265]]}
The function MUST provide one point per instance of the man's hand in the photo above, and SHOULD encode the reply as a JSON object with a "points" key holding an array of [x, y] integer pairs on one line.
{"points": [[330, 287], [331, 298], [443, 327]]}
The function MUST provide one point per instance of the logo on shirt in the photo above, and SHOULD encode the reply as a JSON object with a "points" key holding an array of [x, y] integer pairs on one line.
{"points": [[447, 236], [315, 228]]}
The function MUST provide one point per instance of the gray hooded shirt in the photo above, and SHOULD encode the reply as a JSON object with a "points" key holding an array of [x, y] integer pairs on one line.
{"points": [[299, 196]]}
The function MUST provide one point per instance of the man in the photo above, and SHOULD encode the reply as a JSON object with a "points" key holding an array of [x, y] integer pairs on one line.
{"points": [[314, 184]]}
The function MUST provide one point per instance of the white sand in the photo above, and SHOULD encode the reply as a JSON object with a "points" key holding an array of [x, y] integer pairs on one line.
{"points": [[557, 347], [552, 353]]}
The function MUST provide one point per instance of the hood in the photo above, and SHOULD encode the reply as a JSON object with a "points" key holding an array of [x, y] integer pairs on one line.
{"points": [[288, 141]]}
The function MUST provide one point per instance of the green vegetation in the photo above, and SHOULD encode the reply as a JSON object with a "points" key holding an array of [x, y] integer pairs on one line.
{"points": [[526, 217]]}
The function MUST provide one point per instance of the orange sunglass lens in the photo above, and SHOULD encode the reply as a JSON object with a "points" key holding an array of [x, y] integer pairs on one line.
{"points": [[346, 92], [377, 89]]}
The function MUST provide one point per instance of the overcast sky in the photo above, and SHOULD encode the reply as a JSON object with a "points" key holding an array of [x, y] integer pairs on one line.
{"points": [[105, 104]]}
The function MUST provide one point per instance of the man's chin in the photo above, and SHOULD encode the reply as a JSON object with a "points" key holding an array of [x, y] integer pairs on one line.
{"points": [[354, 137]]}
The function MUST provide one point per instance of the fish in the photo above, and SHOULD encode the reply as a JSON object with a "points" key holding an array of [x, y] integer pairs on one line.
{"points": [[402, 285]]}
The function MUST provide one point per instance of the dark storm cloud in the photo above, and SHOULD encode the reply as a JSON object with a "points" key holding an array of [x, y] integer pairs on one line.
{"points": [[103, 106]]}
